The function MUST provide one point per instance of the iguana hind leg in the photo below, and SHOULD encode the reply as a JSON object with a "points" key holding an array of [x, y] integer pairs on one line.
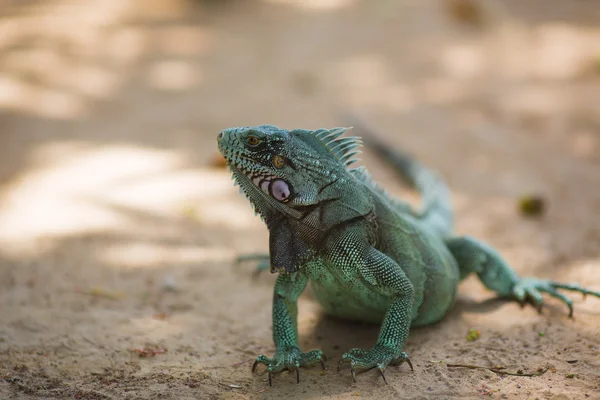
{"points": [[475, 256]]}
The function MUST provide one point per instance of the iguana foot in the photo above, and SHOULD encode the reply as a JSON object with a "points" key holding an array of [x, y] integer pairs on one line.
{"points": [[378, 357], [290, 358], [530, 289], [263, 261]]}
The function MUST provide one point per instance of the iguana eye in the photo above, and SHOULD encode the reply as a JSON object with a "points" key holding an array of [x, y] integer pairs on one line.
{"points": [[252, 140], [278, 161]]}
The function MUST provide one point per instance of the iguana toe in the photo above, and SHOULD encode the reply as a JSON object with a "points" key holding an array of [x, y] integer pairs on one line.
{"points": [[291, 359], [530, 289], [378, 357]]}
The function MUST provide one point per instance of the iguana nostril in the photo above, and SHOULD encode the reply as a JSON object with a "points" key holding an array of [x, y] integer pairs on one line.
{"points": [[220, 136]]}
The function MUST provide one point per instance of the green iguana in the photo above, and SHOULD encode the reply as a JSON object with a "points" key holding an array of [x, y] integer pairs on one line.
{"points": [[369, 257]]}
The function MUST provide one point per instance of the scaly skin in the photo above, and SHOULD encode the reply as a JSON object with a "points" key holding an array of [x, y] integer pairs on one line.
{"points": [[369, 257]]}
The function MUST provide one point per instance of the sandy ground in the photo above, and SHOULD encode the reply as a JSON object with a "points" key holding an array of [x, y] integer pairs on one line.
{"points": [[117, 231]]}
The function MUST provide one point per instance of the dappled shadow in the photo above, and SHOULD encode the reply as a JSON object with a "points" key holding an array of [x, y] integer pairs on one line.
{"points": [[83, 73]]}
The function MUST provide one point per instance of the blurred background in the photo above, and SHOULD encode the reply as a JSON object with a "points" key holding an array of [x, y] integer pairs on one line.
{"points": [[119, 222]]}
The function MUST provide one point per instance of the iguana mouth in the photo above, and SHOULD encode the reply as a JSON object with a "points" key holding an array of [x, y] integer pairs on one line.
{"points": [[261, 180]]}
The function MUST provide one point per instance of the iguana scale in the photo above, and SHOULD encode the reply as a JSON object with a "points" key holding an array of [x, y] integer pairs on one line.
{"points": [[369, 257]]}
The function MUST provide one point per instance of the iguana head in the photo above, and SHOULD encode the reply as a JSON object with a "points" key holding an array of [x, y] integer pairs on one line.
{"points": [[289, 173], [298, 182]]}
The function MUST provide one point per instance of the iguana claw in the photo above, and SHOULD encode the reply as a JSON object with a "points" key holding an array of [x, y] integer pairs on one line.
{"points": [[381, 371], [530, 289], [352, 372], [379, 357], [291, 359]]}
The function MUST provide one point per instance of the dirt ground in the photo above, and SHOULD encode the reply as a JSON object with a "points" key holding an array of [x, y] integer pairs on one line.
{"points": [[118, 228]]}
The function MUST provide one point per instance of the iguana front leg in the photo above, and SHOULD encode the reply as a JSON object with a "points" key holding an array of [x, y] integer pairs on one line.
{"points": [[288, 288], [497, 275], [384, 276]]}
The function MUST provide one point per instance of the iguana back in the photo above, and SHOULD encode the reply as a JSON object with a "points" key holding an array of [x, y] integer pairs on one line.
{"points": [[436, 212]]}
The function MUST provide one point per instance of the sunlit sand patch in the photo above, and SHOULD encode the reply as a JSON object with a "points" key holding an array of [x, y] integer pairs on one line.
{"points": [[47, 199], [90, 80], [50, 66], [124, 45], [443, 90], [183, 40], [57, 104], [13, 92], [37, 59], [74, 189], [584, 144], [366, 81], [160, 9], [463, 60], [151, 329], [16, 94], [364, 71], [590, 269], [173, 75], [315, 5], [154, 255], [559, 51]]}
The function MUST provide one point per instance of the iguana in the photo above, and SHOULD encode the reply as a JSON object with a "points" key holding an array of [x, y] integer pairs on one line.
{"points": [[369, 257]]}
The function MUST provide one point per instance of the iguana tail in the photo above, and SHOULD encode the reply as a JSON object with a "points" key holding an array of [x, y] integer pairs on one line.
{"points": [[436, 211]]}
